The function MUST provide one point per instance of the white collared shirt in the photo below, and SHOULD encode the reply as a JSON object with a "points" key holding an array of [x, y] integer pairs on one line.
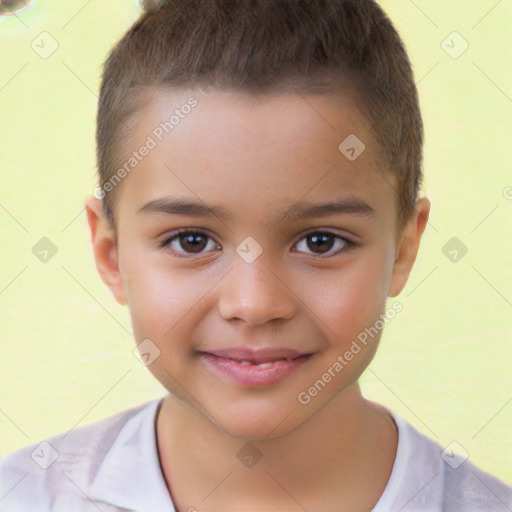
{"points": [[113, 466]]}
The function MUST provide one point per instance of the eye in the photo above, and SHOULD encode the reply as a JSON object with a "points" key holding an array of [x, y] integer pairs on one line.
{"points": [[189, 242], [323, 242]]}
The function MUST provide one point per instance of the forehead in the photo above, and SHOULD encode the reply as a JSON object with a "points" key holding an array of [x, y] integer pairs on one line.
{"points": [[255, 153]]}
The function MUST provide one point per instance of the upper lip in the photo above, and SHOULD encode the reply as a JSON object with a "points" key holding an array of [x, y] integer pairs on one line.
{"points": [[257, 356]]}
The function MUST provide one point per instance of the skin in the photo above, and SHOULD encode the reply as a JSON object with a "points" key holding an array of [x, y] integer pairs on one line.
{"points": [[256, 156]]}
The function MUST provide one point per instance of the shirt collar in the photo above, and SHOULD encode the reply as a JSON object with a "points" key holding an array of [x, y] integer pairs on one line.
{"points": [[130, 475]]}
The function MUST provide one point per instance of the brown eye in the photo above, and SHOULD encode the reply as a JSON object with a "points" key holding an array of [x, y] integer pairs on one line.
{"points": [[323, 242], [190, 242]]}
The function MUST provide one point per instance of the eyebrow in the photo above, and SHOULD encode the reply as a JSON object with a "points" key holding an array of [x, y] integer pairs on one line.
{"points": [[301, 210]]}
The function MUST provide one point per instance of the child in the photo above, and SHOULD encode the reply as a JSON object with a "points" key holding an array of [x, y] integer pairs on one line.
{"points": [[259, 165]]}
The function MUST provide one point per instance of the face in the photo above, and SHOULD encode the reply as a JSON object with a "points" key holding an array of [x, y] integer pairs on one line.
{"points": [[253, 253]]}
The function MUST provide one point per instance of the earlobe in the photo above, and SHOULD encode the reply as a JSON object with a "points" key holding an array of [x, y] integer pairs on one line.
{"points": [[105, 248], [408, 247]]}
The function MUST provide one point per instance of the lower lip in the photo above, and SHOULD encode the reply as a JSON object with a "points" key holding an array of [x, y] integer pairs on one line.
{"points": [[253, 374]]}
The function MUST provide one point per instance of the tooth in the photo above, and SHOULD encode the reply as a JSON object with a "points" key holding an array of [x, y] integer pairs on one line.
{"points": [[261, 365]]}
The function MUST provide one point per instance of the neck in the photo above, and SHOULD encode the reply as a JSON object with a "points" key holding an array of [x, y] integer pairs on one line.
{"points": [[343, 454]]}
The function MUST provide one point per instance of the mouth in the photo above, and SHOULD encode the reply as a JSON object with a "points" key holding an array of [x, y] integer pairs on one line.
{"points": [[250, 367], [260, 364]]}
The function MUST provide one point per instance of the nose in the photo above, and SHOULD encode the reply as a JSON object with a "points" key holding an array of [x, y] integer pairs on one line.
{"points": [[255, 294]]}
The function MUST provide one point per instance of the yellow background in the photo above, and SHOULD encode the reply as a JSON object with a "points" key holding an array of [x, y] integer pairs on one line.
{"points": [[66, 349]]}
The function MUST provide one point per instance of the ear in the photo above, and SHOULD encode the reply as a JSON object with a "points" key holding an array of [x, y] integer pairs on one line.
{"points": [[408, 246], [105, 248]]}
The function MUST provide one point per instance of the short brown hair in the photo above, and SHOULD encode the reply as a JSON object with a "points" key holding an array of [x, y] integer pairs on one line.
{"points": [[269, 46]]}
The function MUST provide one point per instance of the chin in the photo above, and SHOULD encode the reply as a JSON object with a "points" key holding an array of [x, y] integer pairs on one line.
{"points": [[260, 420]]}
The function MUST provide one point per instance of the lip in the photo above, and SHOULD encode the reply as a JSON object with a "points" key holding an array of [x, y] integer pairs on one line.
{"points": [[254, 367]]}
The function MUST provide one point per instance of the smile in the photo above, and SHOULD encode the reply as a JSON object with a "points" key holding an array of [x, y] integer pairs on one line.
{"points": [[258, 370]]}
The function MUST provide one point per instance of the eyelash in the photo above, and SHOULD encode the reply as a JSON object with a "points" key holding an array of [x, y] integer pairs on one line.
{"points": [[348, 244]]}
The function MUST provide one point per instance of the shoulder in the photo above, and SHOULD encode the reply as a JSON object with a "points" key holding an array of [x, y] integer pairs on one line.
{"points": [[439, 478], [64, 465], [468, 487]]}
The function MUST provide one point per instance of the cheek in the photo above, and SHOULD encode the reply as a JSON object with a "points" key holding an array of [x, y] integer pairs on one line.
{"points": [[350, 301], [158, 297]]}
